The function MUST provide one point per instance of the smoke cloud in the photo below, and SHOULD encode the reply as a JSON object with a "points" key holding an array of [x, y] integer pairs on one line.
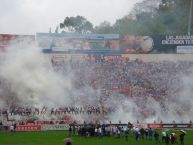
{"points": [[29, 79]]}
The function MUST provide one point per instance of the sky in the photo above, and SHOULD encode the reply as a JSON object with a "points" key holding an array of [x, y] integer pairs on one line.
{"points": [[31, 16]]}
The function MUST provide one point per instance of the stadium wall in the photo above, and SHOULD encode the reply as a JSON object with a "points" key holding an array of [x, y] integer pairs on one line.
{"points": [[143, 57], [60, 127], [160, 57]]}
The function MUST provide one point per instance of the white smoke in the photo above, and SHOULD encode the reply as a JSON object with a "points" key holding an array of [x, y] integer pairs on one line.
{"points": [[31, 76], [29, 79]]}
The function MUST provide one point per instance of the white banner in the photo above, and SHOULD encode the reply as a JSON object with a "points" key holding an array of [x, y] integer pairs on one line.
{"points": [[55, 127], [184, 49]]}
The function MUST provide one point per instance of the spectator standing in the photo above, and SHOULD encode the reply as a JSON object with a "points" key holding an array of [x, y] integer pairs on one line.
{"points": [[156, 136], [167, 139], [70, 130], [182, 137], [126, 131], [163, 136], [150, 133]]}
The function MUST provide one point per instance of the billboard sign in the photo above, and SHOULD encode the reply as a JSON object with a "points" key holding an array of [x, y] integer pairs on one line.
{"points": [[9, 39], [173, 43], [28, 128], [154, 126], [157, 44], [169, 126], [55, 127], [73, 41], [185, 49], [137, 44], [103, 43]]}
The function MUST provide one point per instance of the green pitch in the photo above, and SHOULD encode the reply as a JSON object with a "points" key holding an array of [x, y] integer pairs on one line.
{"points": [[57, 137]]}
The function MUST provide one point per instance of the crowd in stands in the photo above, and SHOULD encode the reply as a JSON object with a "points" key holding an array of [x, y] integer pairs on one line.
{"points": [[142, 78], [117, 75], [23, 111], [160, 80]]}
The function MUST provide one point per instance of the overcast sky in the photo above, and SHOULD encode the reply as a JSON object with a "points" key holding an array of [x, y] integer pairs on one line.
{"points": [[31, 16]]}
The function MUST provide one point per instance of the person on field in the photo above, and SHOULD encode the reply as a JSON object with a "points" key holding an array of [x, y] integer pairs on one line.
{"points": [[70, 130], [163, 136], [14, 127], [156, 136], [167, 139], [146, 133], [172, 138], [68, 141], [137, 133], [142, 132], [11, 128], [126, 131], [150, 133], [182, 137]]}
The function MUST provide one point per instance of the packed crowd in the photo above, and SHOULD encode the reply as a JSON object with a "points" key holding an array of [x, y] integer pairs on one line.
{"points": [[115, 75], [142, 78], [29, 111], [133, 78]]}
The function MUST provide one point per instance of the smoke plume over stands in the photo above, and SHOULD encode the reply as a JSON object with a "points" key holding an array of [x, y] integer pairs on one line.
{"points": [[29, 79]]}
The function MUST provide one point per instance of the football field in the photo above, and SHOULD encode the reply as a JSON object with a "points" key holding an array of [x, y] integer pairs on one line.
{"points": [[57, 138]]}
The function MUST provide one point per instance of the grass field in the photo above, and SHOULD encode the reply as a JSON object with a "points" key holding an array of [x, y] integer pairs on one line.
{"points": [[57, 137]]}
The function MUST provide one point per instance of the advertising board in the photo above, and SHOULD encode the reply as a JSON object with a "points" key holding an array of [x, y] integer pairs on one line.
{"points": [[28, 128], [10, 39], [55, 127]]}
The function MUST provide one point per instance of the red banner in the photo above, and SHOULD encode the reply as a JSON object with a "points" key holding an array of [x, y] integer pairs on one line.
{"points": [[154, 125], [43, 122], [169, 125], [28, 128]]}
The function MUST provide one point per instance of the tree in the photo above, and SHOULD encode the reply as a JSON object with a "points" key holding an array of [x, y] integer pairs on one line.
{"points": [[151, 17], [173, 15], [139, 21], [77, 24], [104, 27]]}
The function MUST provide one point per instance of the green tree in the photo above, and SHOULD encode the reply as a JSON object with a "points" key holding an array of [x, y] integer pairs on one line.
{"points": [[173, 15], [77, 24], [151, 17], [104, 27]]}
